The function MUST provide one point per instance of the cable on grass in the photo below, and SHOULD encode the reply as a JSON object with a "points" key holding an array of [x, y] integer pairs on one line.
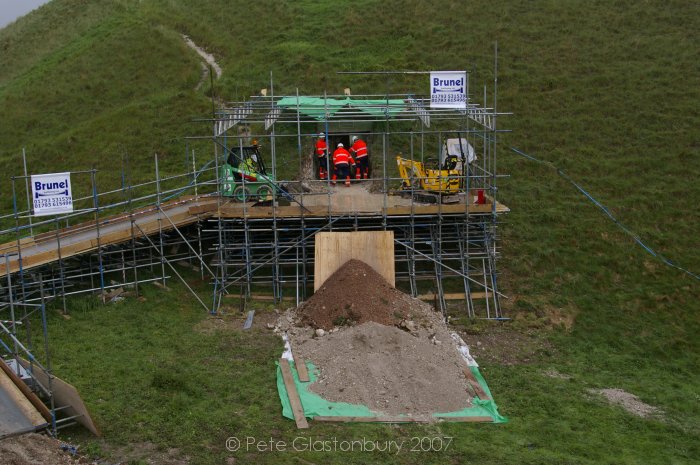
{"points": [[605, 210]]}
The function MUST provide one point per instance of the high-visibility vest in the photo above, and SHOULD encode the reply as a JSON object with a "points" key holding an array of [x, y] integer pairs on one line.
{"points": [[342, 157], [359, 149], [321, 148]]}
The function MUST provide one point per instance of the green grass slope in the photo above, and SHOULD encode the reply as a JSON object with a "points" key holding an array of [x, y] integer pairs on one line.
{"points": [[607, 92]]}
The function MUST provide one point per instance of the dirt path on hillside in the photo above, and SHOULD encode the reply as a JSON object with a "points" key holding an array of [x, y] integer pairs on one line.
{"points": [[208, 61]]}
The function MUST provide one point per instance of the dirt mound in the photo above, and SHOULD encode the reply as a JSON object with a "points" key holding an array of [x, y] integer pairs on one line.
{"points": [[377, 346], [33, 449], [389, 370], [355, 294]]}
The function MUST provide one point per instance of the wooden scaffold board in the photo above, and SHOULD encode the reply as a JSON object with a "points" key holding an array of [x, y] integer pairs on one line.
{"points": [[334, 249]]}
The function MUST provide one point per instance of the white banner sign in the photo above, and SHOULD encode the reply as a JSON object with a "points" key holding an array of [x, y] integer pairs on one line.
{"points": [[448, 89], [51, 194]]}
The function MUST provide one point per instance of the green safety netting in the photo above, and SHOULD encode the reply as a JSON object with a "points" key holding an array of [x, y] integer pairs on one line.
{"points": [[315, 405], [317, 107]]}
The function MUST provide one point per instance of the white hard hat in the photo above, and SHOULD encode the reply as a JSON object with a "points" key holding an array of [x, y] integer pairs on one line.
{"points": [[354, 138], [322, 135], [341, 145]]}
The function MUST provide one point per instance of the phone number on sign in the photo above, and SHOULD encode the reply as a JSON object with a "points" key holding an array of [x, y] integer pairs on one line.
{"points": [[448, 98], [53, 202]]}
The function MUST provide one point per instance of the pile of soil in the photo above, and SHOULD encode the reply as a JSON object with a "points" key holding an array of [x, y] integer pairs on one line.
{"points": [[389, 370], [377, 346], [355, 294], [33, 449]]}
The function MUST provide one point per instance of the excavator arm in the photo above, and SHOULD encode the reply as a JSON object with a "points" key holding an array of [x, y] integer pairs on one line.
{"points": [[411, 172]]}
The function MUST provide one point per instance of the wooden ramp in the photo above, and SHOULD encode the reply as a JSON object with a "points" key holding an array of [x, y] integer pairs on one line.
{"points": [[334, 249], [81, 238]]}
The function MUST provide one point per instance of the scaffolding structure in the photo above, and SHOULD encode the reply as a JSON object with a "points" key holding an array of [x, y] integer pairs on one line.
{"points": [[119, 239], [448, 246], [113, 242]]}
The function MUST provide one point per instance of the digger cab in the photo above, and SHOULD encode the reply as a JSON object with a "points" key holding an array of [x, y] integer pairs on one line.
{"points": [[247, 160], [455, 153], [244, 176]]}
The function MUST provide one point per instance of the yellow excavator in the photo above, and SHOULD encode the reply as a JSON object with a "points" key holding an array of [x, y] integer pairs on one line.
{"points": [[443, 182]]}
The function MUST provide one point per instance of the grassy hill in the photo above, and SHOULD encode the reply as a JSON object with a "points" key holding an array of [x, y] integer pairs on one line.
{"points": [[609, 93]]}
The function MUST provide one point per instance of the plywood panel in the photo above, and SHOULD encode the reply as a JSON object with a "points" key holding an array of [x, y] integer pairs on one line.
{"points": [[334, 249], [66, 394]]}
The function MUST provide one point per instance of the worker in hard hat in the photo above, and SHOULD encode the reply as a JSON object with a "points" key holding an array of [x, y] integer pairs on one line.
{"points": [[361, 155], [321, 152], [342, 161]]}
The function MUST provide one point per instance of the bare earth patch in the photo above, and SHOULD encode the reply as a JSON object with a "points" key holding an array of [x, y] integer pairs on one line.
{"points": [[629, 402], [147, 452], [552, 373], [503, 345], [33, 449]]}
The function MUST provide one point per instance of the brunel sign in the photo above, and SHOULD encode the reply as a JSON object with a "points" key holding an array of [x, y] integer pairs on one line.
{"points": [[448, 89], [51, 194]]}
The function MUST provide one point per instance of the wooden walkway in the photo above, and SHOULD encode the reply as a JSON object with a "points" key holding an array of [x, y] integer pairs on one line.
{"points": [[49, 247], [81, 238]]}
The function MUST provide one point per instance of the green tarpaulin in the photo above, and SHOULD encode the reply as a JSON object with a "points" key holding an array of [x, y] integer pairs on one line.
{"points": [[317, 107], [315, 405]]}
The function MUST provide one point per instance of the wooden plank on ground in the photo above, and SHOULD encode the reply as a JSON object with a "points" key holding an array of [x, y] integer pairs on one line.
{"points": [[455, 296], [334, 249], [400, 419], [302, 370], [386, 419], [257, 297], [466, 419], [300, 365], [480, 393], [294, 399]]}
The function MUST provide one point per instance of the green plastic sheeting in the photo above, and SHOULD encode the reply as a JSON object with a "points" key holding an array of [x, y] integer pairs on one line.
{"points": [[316, 107], [314, 405]]}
